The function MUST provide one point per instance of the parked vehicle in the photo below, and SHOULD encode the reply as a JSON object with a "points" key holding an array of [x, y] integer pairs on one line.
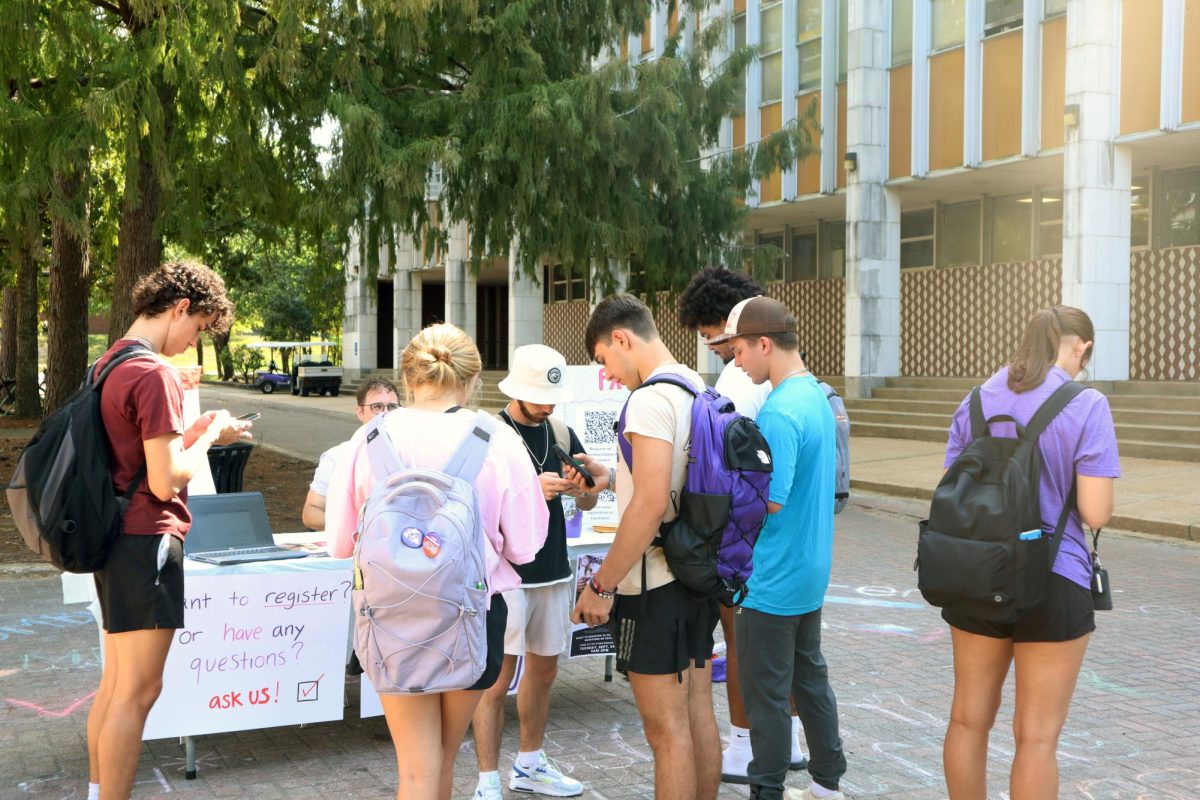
{"points": [[312, 371]]}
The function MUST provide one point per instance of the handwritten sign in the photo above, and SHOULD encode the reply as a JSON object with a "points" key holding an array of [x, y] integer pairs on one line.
{"points": [[596, 404], [257, 651]]}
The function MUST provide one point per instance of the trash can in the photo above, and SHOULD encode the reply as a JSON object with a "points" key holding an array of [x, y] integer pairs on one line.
{"points": [[228, 463]]}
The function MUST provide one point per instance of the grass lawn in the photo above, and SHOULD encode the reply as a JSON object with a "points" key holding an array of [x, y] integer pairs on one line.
{"points": [[98, 343]]}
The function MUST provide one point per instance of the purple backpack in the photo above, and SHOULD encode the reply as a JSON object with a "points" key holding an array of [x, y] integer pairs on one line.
{"points": [[709, 546]]}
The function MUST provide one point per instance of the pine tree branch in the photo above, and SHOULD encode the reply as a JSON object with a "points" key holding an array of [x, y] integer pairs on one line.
{"points": [[108, 7]]}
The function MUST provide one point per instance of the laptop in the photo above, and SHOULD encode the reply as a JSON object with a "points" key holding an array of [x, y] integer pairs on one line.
{"points": [[232, 528]]}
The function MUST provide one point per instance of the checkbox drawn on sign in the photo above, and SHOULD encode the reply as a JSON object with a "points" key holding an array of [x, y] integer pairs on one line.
{"points": [[308, 691]]}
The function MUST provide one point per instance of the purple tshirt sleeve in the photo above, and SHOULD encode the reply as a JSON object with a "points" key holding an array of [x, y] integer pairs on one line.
{"points": [[960, 432], [1096, 456]]}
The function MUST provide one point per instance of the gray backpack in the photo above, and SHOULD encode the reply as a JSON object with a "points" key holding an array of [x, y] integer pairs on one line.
{"points": [[420, 574], [841, 484]]}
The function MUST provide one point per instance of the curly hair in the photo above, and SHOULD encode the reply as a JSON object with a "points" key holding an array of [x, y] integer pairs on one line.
{"points": [[711, 295], [184, 279]]}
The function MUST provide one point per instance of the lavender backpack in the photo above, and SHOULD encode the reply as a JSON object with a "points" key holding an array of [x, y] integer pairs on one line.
{"points": [[709, 546], [420, 575]]}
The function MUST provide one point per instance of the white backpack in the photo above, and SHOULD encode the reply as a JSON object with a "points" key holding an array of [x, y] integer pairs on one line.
{"points": [[420, 573]]}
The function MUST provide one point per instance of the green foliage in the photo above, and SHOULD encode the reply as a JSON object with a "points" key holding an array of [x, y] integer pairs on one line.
{"points": [[246, 361]]}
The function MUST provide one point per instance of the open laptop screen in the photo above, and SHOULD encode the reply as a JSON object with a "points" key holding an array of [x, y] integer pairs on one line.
{"points": [[221, 521]]}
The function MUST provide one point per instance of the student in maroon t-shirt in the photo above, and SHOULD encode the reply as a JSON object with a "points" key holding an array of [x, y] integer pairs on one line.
{"points": [[141, 585]]}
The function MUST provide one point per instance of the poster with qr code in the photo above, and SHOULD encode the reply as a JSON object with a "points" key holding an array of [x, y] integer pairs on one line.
{"points": [[593, 411]]}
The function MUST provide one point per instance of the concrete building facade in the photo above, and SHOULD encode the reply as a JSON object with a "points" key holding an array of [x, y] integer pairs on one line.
{"points": [[978, 160]]}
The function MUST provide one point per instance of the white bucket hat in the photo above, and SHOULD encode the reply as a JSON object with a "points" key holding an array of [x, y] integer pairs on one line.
{"points": [[536, 376]]}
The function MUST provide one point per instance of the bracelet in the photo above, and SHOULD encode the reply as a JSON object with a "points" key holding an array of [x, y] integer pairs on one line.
{"points": [[595, 587]]}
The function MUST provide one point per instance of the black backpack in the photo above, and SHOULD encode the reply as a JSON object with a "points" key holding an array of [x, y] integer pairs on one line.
{"points": [[982, 552], [62, 495]]}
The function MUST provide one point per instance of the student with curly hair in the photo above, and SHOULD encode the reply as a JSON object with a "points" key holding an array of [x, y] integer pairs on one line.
{"points": [[140, 587]]}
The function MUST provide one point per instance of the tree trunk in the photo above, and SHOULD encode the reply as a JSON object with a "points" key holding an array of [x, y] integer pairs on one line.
{"points": [[220, 343], [28, 403], [67, 349], [8, 334], [200, 353], [139, 240], [139, 243]]}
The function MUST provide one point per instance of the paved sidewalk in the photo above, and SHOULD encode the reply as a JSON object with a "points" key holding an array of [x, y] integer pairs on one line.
{"points": [[1134, 729], [1156, 497]]}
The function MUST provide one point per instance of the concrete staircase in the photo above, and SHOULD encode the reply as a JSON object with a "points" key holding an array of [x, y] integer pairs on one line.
{"points": [[1154, 419], [490, 398]]}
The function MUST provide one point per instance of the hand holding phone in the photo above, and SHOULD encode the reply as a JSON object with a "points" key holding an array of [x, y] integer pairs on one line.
{"points": [[250, 417], [575, 463]]}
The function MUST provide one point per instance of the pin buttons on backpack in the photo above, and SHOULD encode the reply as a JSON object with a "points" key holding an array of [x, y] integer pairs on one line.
{"points": [[412, 537], [433, 545]]}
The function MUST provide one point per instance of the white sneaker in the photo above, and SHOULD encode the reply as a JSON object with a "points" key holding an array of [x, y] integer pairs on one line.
{"points": [[735, 764], [492, 791], [545, 778], [806, 794]]}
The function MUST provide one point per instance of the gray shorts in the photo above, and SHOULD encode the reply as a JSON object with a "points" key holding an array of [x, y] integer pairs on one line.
{"points": [[539, 619]]}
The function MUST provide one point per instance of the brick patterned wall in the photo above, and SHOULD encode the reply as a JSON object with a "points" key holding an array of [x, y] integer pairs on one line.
{"points": [[967, 321], [678, 339], [1164, 314], [563, 325], [820, 309]]}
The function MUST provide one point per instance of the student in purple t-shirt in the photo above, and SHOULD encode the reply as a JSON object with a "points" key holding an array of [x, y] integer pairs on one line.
{"points": [[1048, 644]]}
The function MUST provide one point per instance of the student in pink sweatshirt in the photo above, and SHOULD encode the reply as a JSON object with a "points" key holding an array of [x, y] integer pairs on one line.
{"points": [[441, 368]]}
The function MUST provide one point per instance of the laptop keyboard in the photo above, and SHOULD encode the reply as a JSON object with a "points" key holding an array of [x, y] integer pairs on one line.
{"points": [[247, 554]]}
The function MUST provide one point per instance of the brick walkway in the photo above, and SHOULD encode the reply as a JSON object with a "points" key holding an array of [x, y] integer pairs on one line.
{"points": [[1134, 730]]}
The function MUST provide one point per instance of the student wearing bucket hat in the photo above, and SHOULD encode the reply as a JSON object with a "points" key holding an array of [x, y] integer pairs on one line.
{"points": [[539, 622]]}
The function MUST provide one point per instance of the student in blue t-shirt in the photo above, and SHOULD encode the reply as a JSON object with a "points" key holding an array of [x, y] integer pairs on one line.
{"points": [[779, 628]]}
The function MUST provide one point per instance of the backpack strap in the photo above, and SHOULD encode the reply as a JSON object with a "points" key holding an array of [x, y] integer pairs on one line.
{"points": [[978, 421], [1050, 409], [663, 377], [380, 450], [562, 434], [1060, 529], [468, 459], [124, 354]]}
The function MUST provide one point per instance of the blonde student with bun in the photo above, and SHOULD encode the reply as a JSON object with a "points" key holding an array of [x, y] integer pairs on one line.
{"points": [[441, 367]]}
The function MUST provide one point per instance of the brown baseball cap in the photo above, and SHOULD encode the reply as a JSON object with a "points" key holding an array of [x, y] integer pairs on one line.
{"points": [[756, 316]]}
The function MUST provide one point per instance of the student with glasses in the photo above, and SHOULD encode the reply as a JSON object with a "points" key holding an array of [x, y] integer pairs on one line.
{"points": [[376, 396]]}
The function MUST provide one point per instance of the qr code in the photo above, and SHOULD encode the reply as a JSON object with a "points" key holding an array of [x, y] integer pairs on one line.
{"points": [[599, 427]]}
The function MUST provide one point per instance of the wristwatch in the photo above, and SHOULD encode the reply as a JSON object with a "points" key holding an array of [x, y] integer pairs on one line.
{"points": [[595, 587]]}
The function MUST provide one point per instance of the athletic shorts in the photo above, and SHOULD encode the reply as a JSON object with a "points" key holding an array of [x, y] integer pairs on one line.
{"points": [[497, 620], [1066, 614], [664, 631], [539, 619], [135, 593]]}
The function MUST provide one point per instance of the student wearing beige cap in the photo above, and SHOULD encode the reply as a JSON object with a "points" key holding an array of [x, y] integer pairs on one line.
{"points": [[539, 623]]}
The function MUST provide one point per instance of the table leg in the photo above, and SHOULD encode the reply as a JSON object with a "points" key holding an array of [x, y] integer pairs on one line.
{"points": [[189, 768]]}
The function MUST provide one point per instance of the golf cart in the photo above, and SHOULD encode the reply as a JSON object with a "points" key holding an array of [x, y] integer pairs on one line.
{"points": [[309, 374]]}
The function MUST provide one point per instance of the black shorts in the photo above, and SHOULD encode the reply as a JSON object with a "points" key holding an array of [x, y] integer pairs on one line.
{"points": [[135, 595], [663, 631], [1066, 614], [497, 621]]}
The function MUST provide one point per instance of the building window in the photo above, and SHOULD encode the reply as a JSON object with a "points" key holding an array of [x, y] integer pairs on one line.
{"points": [[1049, 223], [808, 45], [949, 23], [803, 266], [771, 49], [1054, 8], [1012, 228], [1002, 15], [916, 239], [1139, 212], [833, 235], [1181, 208], [902, 32], [564, 284], [843, 39], [958, 234]]}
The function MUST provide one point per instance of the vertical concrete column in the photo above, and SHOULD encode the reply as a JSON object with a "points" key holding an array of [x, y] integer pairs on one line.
{"points": [[1096, 178], [360, 312], [922, 35], [406, 309], [872, 211], [525, 324], [460, 295], [1031, 78], [830, 42]]}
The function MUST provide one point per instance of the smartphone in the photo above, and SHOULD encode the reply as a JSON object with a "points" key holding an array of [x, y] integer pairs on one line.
{"points": [[567, 458], [253, 415]]}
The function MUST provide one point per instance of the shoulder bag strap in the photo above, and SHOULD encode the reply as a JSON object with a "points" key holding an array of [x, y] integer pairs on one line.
{"points": [[381, 451], [468, 459], [978, 421], [1050, 409]]}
